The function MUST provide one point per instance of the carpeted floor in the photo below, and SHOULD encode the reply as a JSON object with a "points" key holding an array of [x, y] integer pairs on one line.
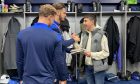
{"points": [[120, 82]]}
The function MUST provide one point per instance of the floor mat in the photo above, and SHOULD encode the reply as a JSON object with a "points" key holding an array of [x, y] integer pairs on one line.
{"points": [[120, 82]]}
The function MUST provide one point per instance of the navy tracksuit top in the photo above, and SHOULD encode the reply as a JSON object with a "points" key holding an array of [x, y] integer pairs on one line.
{"points": [[40, 55]]}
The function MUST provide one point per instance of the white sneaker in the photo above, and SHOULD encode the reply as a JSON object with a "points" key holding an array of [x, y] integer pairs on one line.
{"points": [[4, 78]]}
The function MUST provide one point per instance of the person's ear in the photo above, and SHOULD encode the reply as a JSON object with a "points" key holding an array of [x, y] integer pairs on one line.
{"points": [[49, 17]]}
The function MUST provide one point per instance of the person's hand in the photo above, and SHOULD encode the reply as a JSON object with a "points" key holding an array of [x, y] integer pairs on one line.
{"points": [[87, 53], [62, 82], [21, 82], [75, 37]]}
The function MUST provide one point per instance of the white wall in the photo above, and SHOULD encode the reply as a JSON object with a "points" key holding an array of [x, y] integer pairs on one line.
{"points": [[74, 27]]}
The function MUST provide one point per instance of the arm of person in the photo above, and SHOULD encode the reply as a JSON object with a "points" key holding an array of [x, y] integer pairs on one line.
{"points": [[104, 53], [19, 58], [68, 50], [67, 43], [75, 38], [60, 62]]}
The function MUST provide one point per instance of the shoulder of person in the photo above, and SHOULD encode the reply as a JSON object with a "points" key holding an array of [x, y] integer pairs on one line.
{"points": [[101, 31]]}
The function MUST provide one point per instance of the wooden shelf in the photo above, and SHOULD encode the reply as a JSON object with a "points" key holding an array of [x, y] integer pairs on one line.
{"points": [[11, 13], [133, 12], [38, 12], [104, 12], [112, 12], [91, 12], [71, 12]]}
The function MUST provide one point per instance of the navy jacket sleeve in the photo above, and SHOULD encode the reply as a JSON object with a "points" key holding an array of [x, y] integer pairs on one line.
{"points": [[68, 50], [60, 62], [67, 43], [19, 58]]}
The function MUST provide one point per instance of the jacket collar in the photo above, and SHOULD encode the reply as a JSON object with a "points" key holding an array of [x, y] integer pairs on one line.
{"points": [[41, 25], [55, 22]]}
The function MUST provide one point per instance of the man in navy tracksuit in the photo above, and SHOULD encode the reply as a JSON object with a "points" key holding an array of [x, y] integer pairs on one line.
{"points": [[39, 51], [61, 16]]}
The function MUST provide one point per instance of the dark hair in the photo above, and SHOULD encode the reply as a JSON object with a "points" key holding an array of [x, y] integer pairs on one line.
{"points": [[64, 25], [91, 17], [35, 20], [82, 20], [58, 6]]}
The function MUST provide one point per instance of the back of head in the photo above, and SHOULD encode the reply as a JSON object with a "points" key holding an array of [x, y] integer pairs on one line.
{"points": [[46, 10]]}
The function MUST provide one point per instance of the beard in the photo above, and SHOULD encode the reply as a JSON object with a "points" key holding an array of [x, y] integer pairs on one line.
{"points": [[62, 18]]}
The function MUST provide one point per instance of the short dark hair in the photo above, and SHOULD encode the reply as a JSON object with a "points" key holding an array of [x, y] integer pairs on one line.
{"points": [[35, 20], [91, 17], [81, 21], [58, 6]]}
